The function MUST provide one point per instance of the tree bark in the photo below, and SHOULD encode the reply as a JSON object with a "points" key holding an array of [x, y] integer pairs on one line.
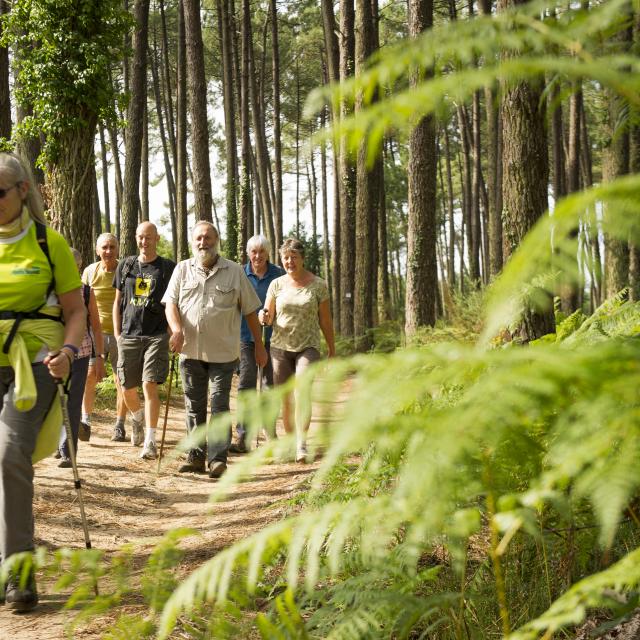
{"points": [[229, 125], [135, 121], [72, 184], [181, 143], [332, 50], [5, 99], [422, 273], [525, 177], [246, 200], [347, 177], [144, 177], [366, 194], [277, 136], [105, 180], [197, 90], [615, 163]]}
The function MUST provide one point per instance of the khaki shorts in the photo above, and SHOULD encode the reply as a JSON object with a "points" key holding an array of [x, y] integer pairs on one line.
{"points": [[143, 359], [288, 363], [110, 350]]}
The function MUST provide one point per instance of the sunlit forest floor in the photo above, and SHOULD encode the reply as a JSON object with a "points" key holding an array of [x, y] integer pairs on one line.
{"points": [[127, 502]]}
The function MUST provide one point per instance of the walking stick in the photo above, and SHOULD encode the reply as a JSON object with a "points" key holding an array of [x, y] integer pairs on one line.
{"points": [[259, 380], [62, 392], [166, 410]]}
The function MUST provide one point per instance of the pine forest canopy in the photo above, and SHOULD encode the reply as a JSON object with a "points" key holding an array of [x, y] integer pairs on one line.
{"points": [[443, 209]]}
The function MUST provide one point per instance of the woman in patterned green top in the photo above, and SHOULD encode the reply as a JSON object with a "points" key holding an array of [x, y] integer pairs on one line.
{"points": [[297, 306]]}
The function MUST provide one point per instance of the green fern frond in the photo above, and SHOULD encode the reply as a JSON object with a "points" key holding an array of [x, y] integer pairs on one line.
{"points": [[598, 590]]}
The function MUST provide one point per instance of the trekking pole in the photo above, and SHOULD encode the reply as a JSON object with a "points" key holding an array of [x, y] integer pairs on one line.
{"points": [[166, 410], [62, 392], [259, 380]]}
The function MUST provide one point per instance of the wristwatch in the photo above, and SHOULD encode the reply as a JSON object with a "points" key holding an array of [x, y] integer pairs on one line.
{"points": [[102, 355]]}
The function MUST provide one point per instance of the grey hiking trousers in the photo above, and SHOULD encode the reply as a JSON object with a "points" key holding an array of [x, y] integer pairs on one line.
{"points": [[18, 433]]}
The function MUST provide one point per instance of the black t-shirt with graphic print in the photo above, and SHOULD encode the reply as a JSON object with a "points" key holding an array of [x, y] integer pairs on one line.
{"points": [[142, 285]]}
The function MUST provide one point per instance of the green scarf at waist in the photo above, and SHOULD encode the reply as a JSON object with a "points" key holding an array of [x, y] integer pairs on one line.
{"points": [[50, 333]]}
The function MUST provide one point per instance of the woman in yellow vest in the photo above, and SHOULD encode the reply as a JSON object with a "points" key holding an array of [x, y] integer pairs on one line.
{"points": [[39, 282]]}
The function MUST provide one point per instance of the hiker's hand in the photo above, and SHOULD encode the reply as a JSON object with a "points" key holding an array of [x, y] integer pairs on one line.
{"points": [[98, 368], [59, 363], [176, 341], [261, 355], [263, 317]]}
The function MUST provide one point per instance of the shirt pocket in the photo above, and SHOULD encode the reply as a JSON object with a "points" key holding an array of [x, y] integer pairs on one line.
{"points": [[188, 295], [225, 296]]}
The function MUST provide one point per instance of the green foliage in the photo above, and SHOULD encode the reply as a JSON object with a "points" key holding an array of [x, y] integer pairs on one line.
{"points": [[513, 45], [63, 55]]}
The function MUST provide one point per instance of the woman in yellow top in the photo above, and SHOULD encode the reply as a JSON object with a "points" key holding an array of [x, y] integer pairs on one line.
{"points": [[297, 305], [31, 333]]}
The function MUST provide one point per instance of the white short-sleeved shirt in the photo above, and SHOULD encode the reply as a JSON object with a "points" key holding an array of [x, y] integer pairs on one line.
{"points": [[211, 305]]}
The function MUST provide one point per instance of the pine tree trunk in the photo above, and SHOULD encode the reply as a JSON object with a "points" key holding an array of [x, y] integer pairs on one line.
{"points": [[181, 143], [197, 89], [366, 194], [5, 96], [115, 154], [476, 178], [135, 120], [347, 175], [262, 154], [71, 180], [168, 170], [277, 141], [246, 200], [333, 75], [229, 126], [615, 163], [422, 275], [144, 175], [525, 177], [385, 311], [105, 180]]}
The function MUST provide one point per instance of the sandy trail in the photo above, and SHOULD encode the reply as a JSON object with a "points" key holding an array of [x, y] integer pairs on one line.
{"points": [[127, 502]]}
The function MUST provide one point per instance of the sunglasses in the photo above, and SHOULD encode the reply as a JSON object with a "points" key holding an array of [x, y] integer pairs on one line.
{"points": [[3, 192]]}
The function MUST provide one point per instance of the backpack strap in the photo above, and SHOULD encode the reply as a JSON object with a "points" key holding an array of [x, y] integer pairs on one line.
{"points": [[41, 237], [127, 267]]}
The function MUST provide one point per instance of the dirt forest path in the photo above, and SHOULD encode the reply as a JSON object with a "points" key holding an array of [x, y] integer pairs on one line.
{"points": [[127, 502]]}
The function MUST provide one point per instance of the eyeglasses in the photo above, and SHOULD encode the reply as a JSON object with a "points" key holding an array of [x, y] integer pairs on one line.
{"points": [[3, 192]]}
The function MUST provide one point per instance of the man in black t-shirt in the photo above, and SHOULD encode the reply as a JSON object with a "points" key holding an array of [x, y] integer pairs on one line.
{"points": [[140, 327]]}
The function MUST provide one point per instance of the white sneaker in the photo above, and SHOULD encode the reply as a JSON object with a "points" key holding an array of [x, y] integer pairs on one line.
{"points": [[301, 453], [137, 432], [149, 451]]}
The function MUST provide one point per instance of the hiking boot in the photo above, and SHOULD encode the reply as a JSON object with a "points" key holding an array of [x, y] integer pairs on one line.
{"points": [[21, 599], [194, 464], [238, 446], [65, 462], [119, 434], [57, 455], [84, 432], [216, 469], [149, 451], [137, 432]]}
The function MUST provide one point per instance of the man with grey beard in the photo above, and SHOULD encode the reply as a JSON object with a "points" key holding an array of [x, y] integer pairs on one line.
{"points": [[205, 300]]}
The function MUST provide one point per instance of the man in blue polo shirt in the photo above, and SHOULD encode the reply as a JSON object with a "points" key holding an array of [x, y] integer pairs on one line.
{"points": [[260, 273]]}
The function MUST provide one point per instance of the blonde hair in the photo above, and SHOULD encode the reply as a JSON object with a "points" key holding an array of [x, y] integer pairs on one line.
{"points": [[18, 170], [292, 244]]}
